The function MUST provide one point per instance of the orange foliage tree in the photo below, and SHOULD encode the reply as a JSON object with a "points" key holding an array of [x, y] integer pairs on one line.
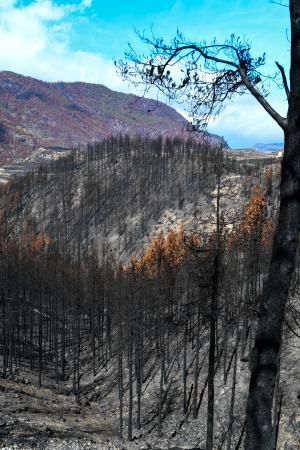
{"points": [[164, 253], [34, 243], [255, 218], [269, 181]]}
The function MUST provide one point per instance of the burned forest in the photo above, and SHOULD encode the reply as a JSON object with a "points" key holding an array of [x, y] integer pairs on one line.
{"points": [[131, 274]]}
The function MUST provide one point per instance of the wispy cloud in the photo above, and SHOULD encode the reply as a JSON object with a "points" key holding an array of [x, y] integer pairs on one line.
{"points": [[35, 40]]}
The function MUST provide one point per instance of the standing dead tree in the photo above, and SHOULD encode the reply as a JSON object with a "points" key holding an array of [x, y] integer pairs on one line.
{"points": [[211, 73]]}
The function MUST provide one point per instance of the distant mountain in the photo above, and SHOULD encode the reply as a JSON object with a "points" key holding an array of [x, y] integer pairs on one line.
{"points": [[37, 114], [273, 147]]}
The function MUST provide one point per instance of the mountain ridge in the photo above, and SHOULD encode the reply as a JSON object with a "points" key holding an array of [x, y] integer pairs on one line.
{"points": [[268, 147], [35, 113]]}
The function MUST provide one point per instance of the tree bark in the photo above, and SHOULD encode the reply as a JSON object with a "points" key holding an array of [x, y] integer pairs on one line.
{"points": [[196, 370], [265, 359], [233, 389], [211, 360], [130, 385], [120, 379]]}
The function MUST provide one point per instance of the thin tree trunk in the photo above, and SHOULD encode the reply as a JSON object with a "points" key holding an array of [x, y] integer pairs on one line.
{"points": [[210, 383], [78, 359], [161, 383], [139, 379], [40, 340], [184, 375], [63, 341], [130, 382], [4, 333], [120, 381], [196, 370], [232, 401]]}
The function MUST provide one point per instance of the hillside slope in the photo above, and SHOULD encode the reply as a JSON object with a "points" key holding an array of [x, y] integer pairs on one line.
{"points": [[36, 114], [119, 194], [91, 350]]}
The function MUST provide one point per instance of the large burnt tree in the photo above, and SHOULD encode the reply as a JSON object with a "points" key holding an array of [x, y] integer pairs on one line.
{"points": [[208, 75]]}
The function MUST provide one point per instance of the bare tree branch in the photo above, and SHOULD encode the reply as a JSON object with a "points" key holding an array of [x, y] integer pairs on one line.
{"points": [[279, 3], [282, 122], [284, 79], [228, 68]]}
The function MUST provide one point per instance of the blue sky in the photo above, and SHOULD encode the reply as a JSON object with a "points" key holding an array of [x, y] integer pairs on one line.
{"points": [[78, 39]]}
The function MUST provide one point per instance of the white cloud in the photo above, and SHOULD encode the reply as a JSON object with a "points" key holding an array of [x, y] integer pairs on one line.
{"points": [[86, 3], [35, 41], [244, 122]]}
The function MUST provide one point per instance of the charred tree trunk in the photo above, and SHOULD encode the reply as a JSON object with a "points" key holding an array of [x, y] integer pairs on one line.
{"points": [[161, 383], [120, 379], [212, 357], [184, 376], [139, 378], [130, 386], [213, 313], [196, 370], [265, 359], [4, 337], [233, 389]]}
